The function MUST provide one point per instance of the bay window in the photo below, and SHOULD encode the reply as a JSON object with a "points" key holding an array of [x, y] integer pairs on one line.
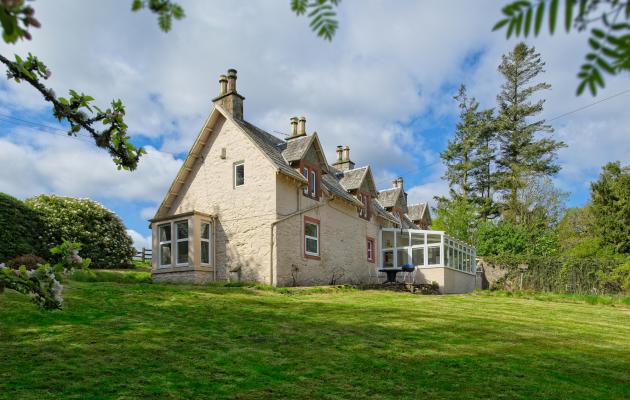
{"points": [[165, 246], [205, 242], [181, 236]]}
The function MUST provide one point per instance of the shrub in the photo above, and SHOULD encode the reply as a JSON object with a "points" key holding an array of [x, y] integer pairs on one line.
{"points": [[501, 238], [30, 261], [19, 229], [100, 232], [87, 275]]}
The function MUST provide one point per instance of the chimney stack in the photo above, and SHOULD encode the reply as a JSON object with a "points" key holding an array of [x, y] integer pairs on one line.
{"points": [[228, 97], [343, 161], [398, 182]]}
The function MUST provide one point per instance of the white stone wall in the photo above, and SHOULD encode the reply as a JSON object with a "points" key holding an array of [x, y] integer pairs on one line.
{"points": [[243, 214], [343, 241]]}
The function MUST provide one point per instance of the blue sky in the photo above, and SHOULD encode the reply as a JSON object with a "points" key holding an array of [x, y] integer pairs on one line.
{"points": [[384, 87]]}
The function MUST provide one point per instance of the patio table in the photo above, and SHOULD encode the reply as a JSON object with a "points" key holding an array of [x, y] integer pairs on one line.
{"points": [[391, 274]]}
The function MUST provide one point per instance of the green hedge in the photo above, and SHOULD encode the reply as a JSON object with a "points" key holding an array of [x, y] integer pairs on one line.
{"points": [[20, 227], [578, 275], [101, 233]]}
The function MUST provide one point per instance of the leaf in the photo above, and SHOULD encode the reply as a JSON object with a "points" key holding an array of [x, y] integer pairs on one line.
{"points": [[568, 14], [598, 33], [137, 5], [605, 66], [553, 13], [528, 20], [500, 24], [540, 12], [594, 44]]}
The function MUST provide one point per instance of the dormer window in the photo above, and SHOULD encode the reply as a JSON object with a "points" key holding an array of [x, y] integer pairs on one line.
{"points": [[313, 176], [364, 212]]}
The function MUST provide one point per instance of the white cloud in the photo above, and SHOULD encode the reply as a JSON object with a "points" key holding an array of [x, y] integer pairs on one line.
{"points": [[148, 212], [139, 241], [386, 67], [36, 162]]}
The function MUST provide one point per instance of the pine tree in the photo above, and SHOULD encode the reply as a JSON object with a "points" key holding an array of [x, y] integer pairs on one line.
{"points": [[469, 156], [522, 154]]}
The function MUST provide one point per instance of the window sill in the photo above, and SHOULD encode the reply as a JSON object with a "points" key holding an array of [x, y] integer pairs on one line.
{"points": [[312, 257]]}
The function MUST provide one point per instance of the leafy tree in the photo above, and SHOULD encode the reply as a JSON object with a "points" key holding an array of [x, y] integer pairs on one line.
{"points": [[522, 155], [20, 227], [456, 217], [106, 126], [101, 233], [611, 206], [609, 40], [578, 236]]}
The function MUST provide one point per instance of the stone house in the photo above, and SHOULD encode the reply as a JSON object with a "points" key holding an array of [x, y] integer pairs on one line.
{"points": [[249, 206]]}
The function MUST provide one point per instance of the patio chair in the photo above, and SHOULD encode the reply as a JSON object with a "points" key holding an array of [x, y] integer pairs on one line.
{"points": [[376, 276]]}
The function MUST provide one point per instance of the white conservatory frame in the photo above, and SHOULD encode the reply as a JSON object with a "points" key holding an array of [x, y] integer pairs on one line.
{"points": [[453, 253]]}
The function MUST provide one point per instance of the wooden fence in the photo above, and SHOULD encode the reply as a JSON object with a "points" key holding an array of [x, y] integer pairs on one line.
{"points": [[143, 255]]}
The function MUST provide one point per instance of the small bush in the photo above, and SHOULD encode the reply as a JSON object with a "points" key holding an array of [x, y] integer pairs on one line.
{"points": [[100, 232], [20, 227], [30, 261]]}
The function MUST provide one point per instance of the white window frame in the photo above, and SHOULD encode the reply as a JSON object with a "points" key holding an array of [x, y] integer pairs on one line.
{"points": [[177, 241], [316, 238], [160, 243], [236, 165], [314, 183], [208, 240], [305, 173], [371, 244]]}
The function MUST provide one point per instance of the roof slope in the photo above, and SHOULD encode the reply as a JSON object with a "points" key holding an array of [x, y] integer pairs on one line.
{"points": [[296, 148], [381, 212], [416, 211], [271, 146], [332, 185], [352, 179], [388, 197]]}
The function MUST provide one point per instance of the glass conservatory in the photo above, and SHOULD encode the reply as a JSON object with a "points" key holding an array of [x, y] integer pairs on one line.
{"points": [[425, 249]]}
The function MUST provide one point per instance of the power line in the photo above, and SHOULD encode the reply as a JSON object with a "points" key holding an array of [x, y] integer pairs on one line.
{"points": [[589, 105]]}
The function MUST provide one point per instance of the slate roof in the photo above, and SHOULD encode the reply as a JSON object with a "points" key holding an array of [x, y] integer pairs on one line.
{"points": [[381, 212], [415, 211], [388, 197], [295, 148], [351, 179], [332, 185], [271, 146]]}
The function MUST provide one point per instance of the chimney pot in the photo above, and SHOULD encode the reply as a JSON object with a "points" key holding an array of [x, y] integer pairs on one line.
{"points": [[222, 85], [301, 126], [346, 153], [398, 182], [294, 124], [231, 77], [339, 151]]}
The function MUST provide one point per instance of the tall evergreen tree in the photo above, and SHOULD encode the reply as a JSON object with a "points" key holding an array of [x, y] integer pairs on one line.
{"points": [[523, 154], [469, 156]]}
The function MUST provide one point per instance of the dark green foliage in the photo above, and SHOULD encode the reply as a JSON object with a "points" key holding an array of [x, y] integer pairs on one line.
{"points": [[30, 261], [523, 154], [20, 227], [322, 14], [609, 42], [101, 233], [611, 206], [501, 238], [581, 275], [87, 275], [470, 154]]}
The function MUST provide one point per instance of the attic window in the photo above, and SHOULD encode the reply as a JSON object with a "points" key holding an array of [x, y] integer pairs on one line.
{"points": [[239, 174], [313, 176], [364, 212]]}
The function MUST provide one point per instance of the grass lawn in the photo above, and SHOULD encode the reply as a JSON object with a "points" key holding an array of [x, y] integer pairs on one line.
{"points": [[140, 340]]}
